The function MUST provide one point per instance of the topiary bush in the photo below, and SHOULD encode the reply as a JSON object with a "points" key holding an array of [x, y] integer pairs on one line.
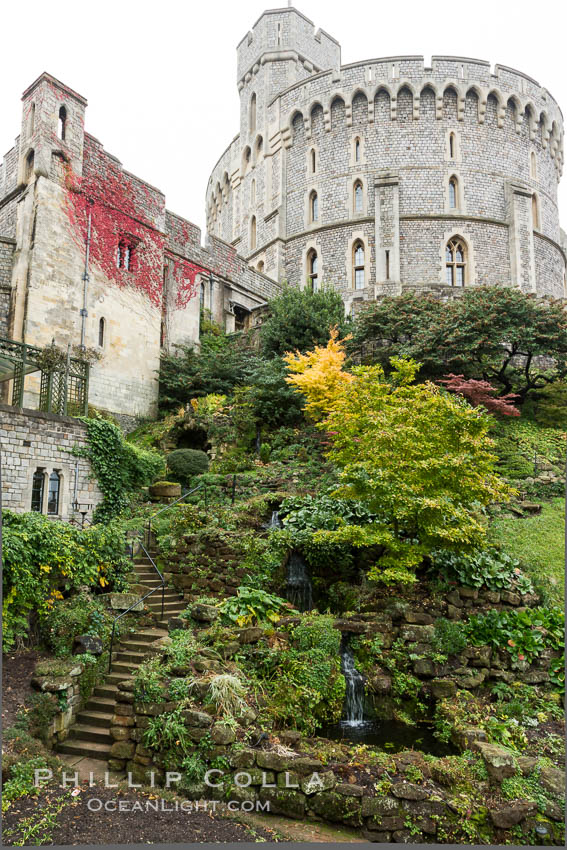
{"points": [[185, 463]]}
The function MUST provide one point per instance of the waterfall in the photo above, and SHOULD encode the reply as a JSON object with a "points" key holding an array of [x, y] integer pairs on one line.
{"points": [[275, 521], [354, 697], [298, 589]]}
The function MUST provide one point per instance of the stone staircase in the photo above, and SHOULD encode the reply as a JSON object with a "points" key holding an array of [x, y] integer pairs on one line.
{"points": [[89, 736]]}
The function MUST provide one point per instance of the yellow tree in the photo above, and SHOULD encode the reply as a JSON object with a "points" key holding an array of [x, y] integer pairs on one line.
{"points": [[419, 458]]}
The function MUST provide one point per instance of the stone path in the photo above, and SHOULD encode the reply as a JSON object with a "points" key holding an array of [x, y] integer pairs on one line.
{"points": [[89, 737]]}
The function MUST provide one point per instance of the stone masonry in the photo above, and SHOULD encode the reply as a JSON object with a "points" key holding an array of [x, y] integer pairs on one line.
{"points": [[402, 132]]}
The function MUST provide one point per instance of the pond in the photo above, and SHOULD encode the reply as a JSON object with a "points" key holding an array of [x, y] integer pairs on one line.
{"points": [[388, 736]]}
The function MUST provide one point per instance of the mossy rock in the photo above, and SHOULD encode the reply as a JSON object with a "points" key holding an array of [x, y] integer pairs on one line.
{"points": [[338, 808]]}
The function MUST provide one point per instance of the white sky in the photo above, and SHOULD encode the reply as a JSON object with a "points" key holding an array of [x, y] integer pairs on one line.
{"points": [[160, 78]]}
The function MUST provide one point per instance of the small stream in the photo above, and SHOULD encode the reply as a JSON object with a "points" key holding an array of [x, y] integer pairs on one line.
{"points": [[354, 681]]}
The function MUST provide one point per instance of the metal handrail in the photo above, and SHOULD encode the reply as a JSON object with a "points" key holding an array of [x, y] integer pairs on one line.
{"points": [[148, 531], [202, 486], [138, 601]]}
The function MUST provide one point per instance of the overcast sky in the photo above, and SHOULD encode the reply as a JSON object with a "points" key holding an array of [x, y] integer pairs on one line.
{"points": [[160, 77]]}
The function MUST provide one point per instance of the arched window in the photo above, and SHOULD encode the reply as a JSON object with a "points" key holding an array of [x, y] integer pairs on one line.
{"points": [[53, 493], [124, 255], [358, 197], [162, 334], [452, 146], [357, 150], [455, 262], [313, 207], [533, 165], [101, 330], [453, 193], [252, 192], [202, 297], [29, 166], [260, 266], [253, 233], [358, 256], [38, 484], [313, 271], [31, 122], [62, 124], [252, 113], [313, 161], [535, 213]]}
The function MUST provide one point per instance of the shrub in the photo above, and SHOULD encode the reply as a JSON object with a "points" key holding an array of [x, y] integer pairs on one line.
{"points": [[79, 615], [490, 568], [227, 693], [523, 633], [185, 463], [449, 637], [22, 781], [253, 606]]}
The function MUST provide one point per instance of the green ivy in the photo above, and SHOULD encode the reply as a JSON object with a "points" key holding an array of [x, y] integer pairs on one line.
{"points": [[119, 467]]}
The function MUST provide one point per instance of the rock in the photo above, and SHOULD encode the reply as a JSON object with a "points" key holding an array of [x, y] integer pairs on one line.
{"points": [[376, 837], [454, 598], [479, 655], [230, 649], [175, 623], [425, 667], [530, 507], [443, 688], [247, 716], [197, 733], [554, 811], [204, 613], [500, 763], [87, 643], [379, 806], [512, 814], [354, 627], [283, 802], [405, 836], [417, 634], [124, 601], [464, 739], [409, 791], [510, 598], [318, 782], [122, 720], [337, 807], [379, 684], [122, 750], [389, 822], [468, 592], [272, 761], [289, 737], [534, 677], [149, 709], [418, 618], [116, 764], [255, 776], [453, 613], [474, 680], [245, 757], [526, 764], [491, 596], [52, 684], [250, 635], [223, 734], [349, 790], [553, 780], [124, 709], [192, 717], [305, 764], [289, 779]]}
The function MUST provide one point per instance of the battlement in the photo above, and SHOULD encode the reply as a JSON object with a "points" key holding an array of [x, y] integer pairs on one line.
{"points": [[280, 31]]}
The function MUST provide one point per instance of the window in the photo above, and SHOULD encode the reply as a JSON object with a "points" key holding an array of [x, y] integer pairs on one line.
{"points": [[31, 124], [313, 161], [455, 262], [533, 165], [357, 150], [253, 233], [202, 297], [387, 265], [162, 334], [38, 484], [313, 270], [453, 193], [359, 266], [101, 329], [253, 193], [358, 197], [252, 114], [260, 266], [29, 166], [124, 255], [62, 124], [452, 146], [535, 213], [53, 493], [314, 207]]}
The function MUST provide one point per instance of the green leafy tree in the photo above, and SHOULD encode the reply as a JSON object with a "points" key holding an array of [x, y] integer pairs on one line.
{"points": [[268, 396], [299, 319], [419, 458], [498, 334]]}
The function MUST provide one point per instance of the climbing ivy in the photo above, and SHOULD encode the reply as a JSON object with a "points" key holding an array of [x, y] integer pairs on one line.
{"points": [[119, 467]]}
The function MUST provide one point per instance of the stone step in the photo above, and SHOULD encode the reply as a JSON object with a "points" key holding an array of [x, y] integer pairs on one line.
{"points": [[101, 705], [86, 732], [108, 690], [119, 676], [95, 718], [88, 749], [148, 635], [122, 668], [144, 649], [128, 656]]}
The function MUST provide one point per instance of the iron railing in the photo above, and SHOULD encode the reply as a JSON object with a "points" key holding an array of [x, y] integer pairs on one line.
{"points": [[147, 542]]}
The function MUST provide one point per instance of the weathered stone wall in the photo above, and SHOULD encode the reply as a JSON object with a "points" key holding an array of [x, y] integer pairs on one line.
{"points": [[506, 130], [32, 440]]}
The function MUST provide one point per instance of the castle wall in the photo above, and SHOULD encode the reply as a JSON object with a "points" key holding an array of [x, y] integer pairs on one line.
{"points": [[506, 154]]}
